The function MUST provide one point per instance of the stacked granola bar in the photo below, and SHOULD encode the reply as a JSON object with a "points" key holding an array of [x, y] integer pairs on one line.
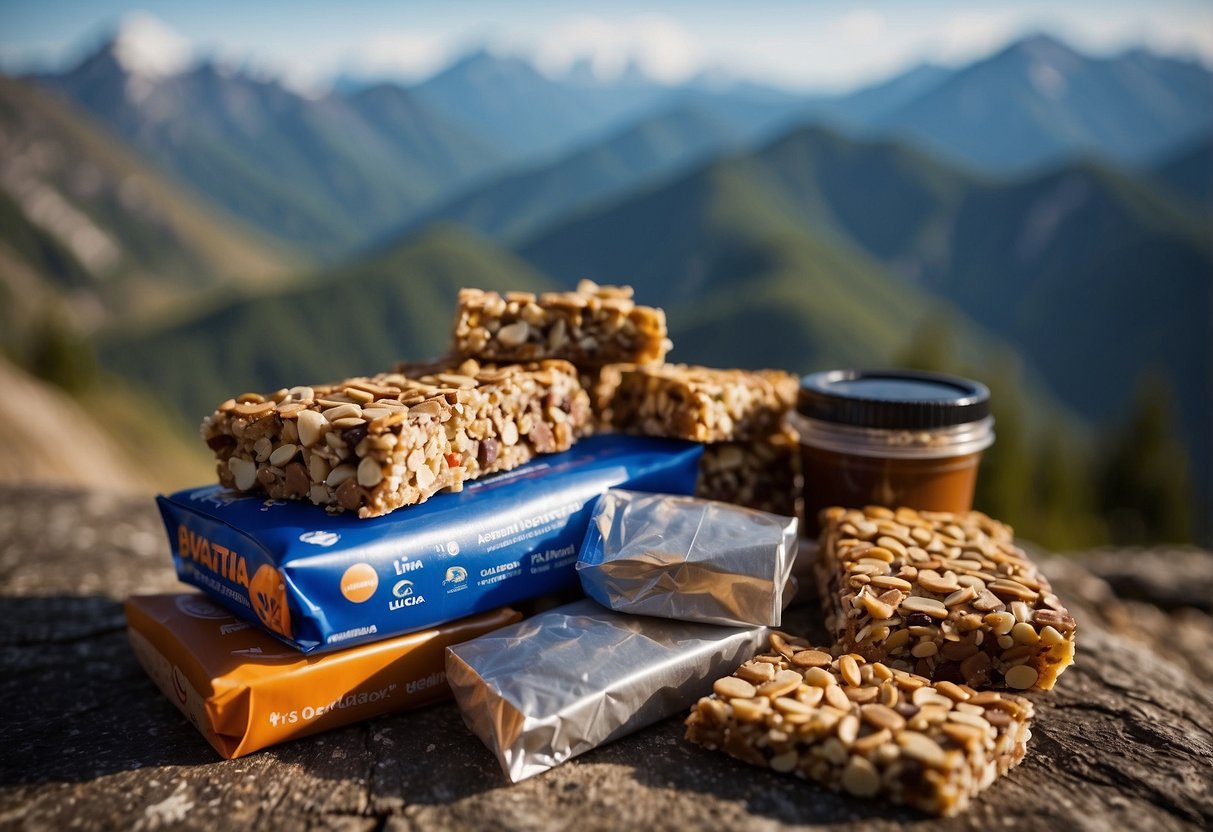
{"points": [[751, 456], [762, 474], [591, 327], [372, 445], [528, 374]]}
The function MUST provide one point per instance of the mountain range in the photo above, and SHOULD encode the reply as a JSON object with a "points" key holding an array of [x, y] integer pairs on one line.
{"points": [[333, 174], [1068, 225], [321, 174], [360, 318], [91, 231], [1189, 171], [1039, 102], [1100, 279], [509, 207]]}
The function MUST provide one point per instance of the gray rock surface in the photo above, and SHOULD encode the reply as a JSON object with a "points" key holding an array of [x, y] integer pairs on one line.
{"points": [[1125, 741]]}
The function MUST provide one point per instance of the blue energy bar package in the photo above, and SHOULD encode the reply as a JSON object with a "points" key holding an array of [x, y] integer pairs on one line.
{"points": [[320, 581]]}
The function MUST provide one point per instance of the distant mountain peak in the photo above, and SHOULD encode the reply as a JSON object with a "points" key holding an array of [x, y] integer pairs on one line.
{"points": [[1040, 45], [589, 71], [487, 55], [1045, 62], [145, 46]]}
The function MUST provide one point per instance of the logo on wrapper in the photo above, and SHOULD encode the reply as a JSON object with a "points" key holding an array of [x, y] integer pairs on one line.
{"points": [[359, 582], [403, 590], [455, 575], [320, 538]]}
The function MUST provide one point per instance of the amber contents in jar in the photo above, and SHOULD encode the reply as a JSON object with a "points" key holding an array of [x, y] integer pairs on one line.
{"points": [[890, 438], [836, 479]]}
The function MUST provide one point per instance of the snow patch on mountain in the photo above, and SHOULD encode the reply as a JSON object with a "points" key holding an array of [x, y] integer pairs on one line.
{"points": [[146, 47]]}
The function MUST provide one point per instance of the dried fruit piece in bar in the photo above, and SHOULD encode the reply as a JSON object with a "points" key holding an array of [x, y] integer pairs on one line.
{"points": [[591, 326], [863, 728], [702, 404], [947, 596]]}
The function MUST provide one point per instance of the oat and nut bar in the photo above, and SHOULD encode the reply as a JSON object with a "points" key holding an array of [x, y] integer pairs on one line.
{"points": [[601, 383], [947, 596], [862, 727], [520, 410], [591, 326], [702, 404], [372, 445], [763, 474]]}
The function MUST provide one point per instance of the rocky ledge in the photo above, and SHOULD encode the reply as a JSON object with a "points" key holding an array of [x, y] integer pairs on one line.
{"points": [[1125, 741]]}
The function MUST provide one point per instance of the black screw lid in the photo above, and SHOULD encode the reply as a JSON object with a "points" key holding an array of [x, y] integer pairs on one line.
{"points": [[892, 399]]}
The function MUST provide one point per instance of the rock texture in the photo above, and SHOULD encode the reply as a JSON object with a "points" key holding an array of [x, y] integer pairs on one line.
{"points": [[1125, 741]]}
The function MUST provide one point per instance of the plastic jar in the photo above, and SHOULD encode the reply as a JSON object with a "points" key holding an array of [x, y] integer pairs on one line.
{"points": [[892, 438]]}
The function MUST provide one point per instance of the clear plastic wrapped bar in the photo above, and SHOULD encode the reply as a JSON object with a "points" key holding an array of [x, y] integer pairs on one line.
{"points": [[571, 679], [686, 558]]}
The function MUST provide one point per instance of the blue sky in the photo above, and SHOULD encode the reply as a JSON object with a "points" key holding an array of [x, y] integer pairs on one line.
{"points": [[805, 45]]}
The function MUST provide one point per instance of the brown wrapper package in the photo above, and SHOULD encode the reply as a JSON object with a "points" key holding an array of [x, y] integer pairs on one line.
{"points": [[245, 691]]}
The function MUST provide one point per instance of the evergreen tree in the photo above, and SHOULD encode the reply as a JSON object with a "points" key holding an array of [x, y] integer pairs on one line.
{"points": [[1064, 488], [1004, 483], [1146, 490], [59, 354]]}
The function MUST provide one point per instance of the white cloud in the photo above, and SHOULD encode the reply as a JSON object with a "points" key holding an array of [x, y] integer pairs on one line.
{"points": [[147, 47], [863, 26], [1186, 37], [658, 44], [968, 34], [406, 54]]}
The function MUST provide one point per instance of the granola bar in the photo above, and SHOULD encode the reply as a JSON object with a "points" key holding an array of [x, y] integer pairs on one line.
{"points": [[601, 383], [375, 444], [702, 404], [522, 410], [948, 596], [863, 728], [762, 474], [591, 326]]}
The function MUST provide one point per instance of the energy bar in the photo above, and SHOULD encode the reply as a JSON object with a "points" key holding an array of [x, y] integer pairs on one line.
{"points": [[591, 326], [947, 596], [863, 728], [372, 445], [702, 404], [763, 474]]}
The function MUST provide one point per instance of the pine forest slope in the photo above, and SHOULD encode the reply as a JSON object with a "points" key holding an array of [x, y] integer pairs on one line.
{"points": [[1190, 171], [325, 174], [357, 319], [46, 141], [89, 215], [514, 205], [745, 280], [1038, 101], [1100, 280]]}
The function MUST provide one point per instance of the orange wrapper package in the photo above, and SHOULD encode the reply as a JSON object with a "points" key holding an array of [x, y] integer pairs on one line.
{"points": [[245, 690]]}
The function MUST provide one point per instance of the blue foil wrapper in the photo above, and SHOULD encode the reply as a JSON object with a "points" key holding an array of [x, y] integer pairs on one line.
{"points": [[321, 581]]}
